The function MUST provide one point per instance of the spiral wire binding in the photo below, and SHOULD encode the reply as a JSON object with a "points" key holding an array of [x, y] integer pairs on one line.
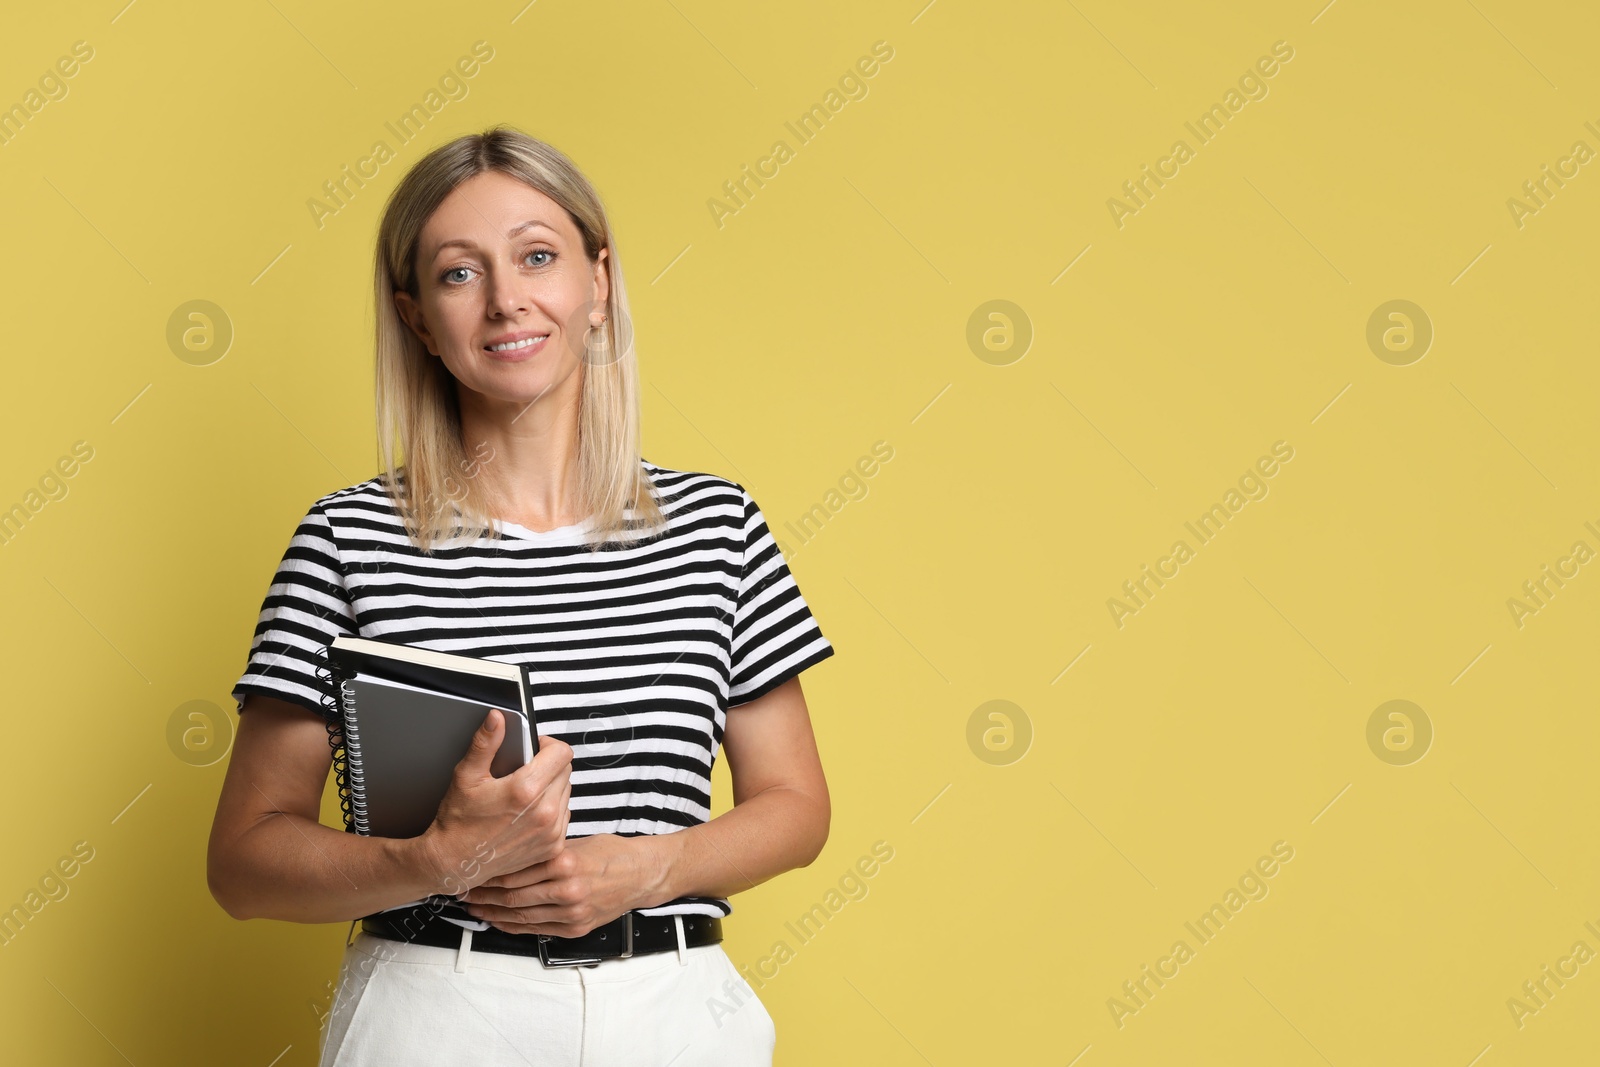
{"points": [[352, 745], [333, 719]]}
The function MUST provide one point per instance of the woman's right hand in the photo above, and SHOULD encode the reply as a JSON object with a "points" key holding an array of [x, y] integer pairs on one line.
{"points": [[487, 826]]}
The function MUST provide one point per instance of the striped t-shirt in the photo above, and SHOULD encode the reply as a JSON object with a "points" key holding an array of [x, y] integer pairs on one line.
{"points": [[638, 652]]}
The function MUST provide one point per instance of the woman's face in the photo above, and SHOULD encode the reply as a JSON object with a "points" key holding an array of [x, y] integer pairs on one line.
{"points": [[501, 262]]}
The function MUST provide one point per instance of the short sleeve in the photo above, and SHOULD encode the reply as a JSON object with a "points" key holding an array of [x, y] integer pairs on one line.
{"points": [[775, 636], [307, 606]]}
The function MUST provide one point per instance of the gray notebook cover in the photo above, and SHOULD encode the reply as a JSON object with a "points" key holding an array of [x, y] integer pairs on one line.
{"points": [[404, 747]]}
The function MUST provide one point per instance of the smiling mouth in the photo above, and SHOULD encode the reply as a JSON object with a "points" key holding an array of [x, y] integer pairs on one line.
{"points": [[517, 346]]}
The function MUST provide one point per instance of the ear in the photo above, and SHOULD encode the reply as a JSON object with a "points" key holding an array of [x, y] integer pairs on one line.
{"points": [[602, 282], [411, 313]]}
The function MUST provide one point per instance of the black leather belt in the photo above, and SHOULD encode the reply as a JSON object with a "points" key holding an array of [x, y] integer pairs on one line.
{"points": [[630, 934]]}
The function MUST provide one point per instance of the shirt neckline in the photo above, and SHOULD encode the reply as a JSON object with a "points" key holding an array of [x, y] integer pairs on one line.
{"points": [[559, 536]]}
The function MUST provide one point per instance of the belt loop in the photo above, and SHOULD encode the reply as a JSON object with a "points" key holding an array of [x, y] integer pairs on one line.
{"points": [[677, 922], [466, 947]]}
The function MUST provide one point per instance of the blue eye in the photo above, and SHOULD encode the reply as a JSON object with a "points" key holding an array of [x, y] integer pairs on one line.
{"points": [[445, 277]]}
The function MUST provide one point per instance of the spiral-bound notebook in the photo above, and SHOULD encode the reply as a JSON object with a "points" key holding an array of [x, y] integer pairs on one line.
{"points": [[408, 715]]}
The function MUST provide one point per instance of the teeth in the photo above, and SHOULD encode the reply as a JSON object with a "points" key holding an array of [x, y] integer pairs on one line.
{"points": [[514, 345]]}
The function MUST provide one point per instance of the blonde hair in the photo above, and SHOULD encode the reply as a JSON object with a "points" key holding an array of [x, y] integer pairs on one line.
{"points": [[418, 413]]}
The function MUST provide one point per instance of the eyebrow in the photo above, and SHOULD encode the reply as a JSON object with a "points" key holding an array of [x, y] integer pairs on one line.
{"points": [[462, 242]]}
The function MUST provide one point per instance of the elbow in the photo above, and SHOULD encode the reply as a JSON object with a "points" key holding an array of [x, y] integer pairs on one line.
{"points": [[225, 893], [820, 825], [224, 899], [226, 884]]}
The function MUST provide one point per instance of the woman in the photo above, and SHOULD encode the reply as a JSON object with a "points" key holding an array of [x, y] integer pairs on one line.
{"points": [[653, 605]]}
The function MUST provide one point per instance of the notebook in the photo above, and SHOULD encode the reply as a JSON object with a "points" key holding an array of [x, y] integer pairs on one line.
{"points": [[402, 743], [408, 717]]}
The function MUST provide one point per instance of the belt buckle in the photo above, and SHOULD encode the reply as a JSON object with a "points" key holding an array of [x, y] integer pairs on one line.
{"points": [[588, 961]]}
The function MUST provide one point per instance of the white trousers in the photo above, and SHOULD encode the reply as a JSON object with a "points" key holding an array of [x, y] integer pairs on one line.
{"points": [[399, 1004]]}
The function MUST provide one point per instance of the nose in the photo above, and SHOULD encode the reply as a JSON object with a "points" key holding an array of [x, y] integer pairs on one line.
{"points": [[506, 297]]}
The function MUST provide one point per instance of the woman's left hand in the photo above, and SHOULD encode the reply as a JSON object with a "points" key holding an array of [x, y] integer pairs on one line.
{"points": [[591, 881]]}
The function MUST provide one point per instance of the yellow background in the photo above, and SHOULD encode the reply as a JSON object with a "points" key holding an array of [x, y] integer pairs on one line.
{"points": [[829, 313]]}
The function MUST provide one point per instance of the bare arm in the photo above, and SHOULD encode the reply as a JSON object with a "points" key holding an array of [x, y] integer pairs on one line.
{"points": [[779, 821], [270, 857], [781, 810]]}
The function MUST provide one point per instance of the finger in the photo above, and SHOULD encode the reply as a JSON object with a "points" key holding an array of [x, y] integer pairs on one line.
{"points": [[485, 743], [517, 897], [525, 928], [548, 764], [548, 801], [521, 879], [500, 913], [553, 753], [556, 792]]}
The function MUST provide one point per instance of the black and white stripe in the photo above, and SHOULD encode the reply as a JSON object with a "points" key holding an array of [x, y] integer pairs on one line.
{"points": [[638, 652]]}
